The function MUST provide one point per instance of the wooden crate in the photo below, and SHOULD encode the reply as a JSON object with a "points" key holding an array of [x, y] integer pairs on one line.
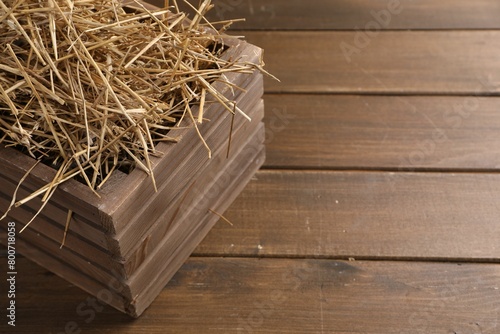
{"points": [[125, 246]]}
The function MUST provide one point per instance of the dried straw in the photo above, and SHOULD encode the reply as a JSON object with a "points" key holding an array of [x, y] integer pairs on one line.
{"points": [[90, 87]]}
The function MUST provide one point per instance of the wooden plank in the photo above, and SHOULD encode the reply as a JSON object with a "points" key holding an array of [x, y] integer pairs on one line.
{"points": [[382, 132], [103, 290], [58, 215], [354, 14], [404, 62], [31, 242], [44, 226], [216, 295], [362, 215]]}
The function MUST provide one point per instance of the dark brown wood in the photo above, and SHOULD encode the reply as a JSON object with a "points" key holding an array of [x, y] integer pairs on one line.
{"points": [[374, 132], [354, 14], [402, 62], [363, 215], [80, 226], [218, 295], [45, 229]]}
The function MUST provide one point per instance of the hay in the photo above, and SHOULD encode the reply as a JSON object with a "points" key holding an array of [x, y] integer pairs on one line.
{"points": [[90, 87]]}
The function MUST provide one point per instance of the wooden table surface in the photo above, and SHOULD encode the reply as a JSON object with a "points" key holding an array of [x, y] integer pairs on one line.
{"points": [[377, 210]]}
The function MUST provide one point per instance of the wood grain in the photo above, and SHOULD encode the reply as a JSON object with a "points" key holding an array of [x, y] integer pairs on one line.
{"points": [[363, 215], [382, 132], [289, 296], [404, 62], [354, 14], [79, 227]]}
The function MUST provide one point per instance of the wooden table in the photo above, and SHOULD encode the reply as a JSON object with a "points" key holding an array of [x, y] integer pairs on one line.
{"points": [[378, 208]]}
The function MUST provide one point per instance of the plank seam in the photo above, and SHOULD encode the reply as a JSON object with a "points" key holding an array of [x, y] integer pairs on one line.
{"points": [[352, 258], [402, 170]]}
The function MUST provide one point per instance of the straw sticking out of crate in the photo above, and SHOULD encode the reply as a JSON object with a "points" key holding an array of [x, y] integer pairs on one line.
{"points": [[90, 87]]}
